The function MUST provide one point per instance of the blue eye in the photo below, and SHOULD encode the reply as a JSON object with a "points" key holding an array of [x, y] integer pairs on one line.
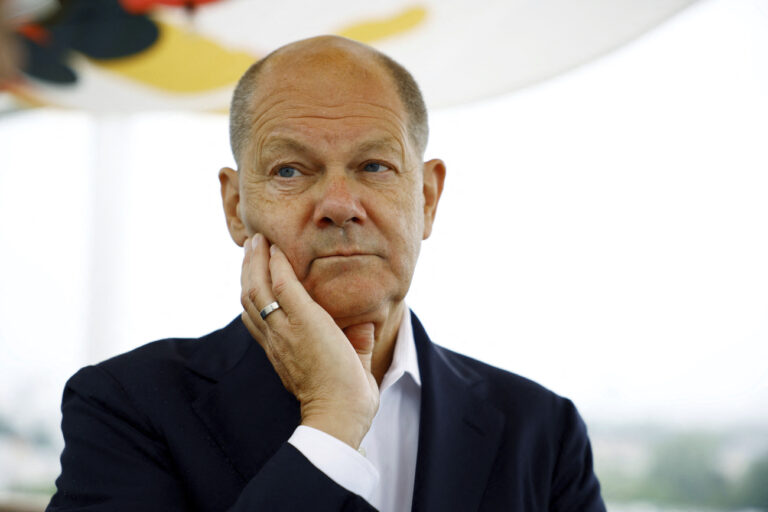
{"points": [[288, 172], [375, 167]]}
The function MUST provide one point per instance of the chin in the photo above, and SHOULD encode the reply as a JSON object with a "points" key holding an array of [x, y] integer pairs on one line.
{"points": [[346, 298]]}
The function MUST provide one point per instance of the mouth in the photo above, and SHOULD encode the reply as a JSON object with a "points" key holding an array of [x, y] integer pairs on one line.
{"points": [[344, 255], [340, 256]]}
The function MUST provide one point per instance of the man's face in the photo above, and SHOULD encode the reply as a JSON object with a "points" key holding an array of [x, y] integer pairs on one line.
{"points": [[330, 175]]}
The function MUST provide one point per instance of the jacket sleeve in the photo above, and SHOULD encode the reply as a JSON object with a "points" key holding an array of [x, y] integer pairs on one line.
{"points": [[114, 460], [276, 487], [575, 487]]}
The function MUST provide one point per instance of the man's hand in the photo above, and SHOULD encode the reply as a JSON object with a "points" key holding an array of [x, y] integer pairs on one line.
{"points": [[328, 370]]}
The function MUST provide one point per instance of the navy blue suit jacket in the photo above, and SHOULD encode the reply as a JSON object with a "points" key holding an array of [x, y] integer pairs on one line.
{"points": [[201, 424]]}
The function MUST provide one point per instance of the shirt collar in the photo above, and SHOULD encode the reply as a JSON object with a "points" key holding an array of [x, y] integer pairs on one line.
{"points": [[404, 360]]}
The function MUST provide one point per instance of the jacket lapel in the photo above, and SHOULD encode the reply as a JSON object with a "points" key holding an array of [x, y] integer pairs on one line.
{"points": [[459, 433], [240, 399], [249, 415]]}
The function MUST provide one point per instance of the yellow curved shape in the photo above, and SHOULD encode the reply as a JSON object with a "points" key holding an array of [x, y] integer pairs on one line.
{"points": [[182, 62], [373, 30]]}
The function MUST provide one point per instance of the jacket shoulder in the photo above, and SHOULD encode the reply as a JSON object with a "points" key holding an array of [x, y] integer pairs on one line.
{"points": [[506, 390], [161, 368], [211, 354], [541, 428]]}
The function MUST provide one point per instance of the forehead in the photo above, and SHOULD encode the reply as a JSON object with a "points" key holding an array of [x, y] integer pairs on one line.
{"points": [[331, 96], [339, 125]]}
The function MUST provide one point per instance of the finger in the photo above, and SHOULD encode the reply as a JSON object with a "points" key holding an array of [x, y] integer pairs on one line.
{"points": [[255, 262], [255, 279], [288, 291], [258, 335], [246, 255], [361, 337], [245, 284], [255, 327], [252, 328]]}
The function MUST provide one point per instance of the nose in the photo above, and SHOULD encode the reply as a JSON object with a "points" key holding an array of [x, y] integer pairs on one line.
{"points": [[339, 203]]}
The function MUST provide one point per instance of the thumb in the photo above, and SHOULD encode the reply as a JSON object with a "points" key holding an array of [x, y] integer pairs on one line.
{"points": [[361, 338], [289, 292]]}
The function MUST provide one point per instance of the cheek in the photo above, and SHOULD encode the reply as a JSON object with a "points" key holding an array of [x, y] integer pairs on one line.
{"points": [[266, 214], [297, 254], [410, 247], [406, 235], [412, 214], [282, 223]]}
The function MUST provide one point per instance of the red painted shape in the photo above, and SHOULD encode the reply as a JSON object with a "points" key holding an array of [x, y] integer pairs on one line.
{"points": [[34, 32], [142, 6]]}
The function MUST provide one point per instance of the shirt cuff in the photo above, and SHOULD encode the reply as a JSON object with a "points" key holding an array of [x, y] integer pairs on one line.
{"points": [[339, 461]]}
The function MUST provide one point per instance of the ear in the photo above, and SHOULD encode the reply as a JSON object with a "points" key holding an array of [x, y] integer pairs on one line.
{"points": [[434, 177], [230, 199]]}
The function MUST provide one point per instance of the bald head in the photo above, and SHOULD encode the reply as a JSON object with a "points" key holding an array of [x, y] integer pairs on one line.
{"points": [[326, 55]]}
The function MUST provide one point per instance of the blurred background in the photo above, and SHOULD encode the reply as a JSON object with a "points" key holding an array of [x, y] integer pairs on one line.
{"points": [[605, 205]]}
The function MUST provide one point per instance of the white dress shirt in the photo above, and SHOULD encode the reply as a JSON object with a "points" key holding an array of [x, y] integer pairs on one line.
{"points": [[384, 475]]}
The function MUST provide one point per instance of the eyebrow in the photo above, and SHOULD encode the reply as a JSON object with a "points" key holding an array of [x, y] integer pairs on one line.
{"points": [[386, 143], [286, 144], [280, 144]]}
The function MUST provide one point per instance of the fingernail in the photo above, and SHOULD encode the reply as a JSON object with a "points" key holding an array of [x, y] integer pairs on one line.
{"points": [[272, 250], [255, 241]]}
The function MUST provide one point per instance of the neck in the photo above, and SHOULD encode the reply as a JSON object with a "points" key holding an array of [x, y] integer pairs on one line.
{"points": [[386, 321], [385, 337]]}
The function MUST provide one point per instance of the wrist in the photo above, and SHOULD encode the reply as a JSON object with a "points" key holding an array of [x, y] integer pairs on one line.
{"points": [[347, 428]]}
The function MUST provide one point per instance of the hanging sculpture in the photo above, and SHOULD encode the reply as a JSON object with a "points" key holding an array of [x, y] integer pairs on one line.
{"points": [[128, 55]]}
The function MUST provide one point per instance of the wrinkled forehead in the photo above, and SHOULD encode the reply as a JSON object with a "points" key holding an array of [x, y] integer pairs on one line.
{"points": [[290, 119], [310, 91]]}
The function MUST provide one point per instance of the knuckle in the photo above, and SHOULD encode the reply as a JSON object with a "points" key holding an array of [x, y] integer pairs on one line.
{"points": [[296, 323], [252, 295], [279, 286]]}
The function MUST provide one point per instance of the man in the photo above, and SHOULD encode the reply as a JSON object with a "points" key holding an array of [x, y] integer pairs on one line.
{"points": [[326, 394]]}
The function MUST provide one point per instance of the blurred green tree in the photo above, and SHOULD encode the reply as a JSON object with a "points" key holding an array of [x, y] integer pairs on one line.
{"points": [[753, 491], [684, 471]]}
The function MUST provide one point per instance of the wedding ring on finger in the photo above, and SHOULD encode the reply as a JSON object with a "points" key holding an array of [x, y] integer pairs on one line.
{"points": [[268, 309]]}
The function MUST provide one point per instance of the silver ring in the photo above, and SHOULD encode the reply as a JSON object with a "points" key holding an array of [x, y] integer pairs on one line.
{"points": [[269, 308]]}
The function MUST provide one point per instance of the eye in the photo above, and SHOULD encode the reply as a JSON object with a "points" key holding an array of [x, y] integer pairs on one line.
{"points": [[287, 171], [375, 167]]}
